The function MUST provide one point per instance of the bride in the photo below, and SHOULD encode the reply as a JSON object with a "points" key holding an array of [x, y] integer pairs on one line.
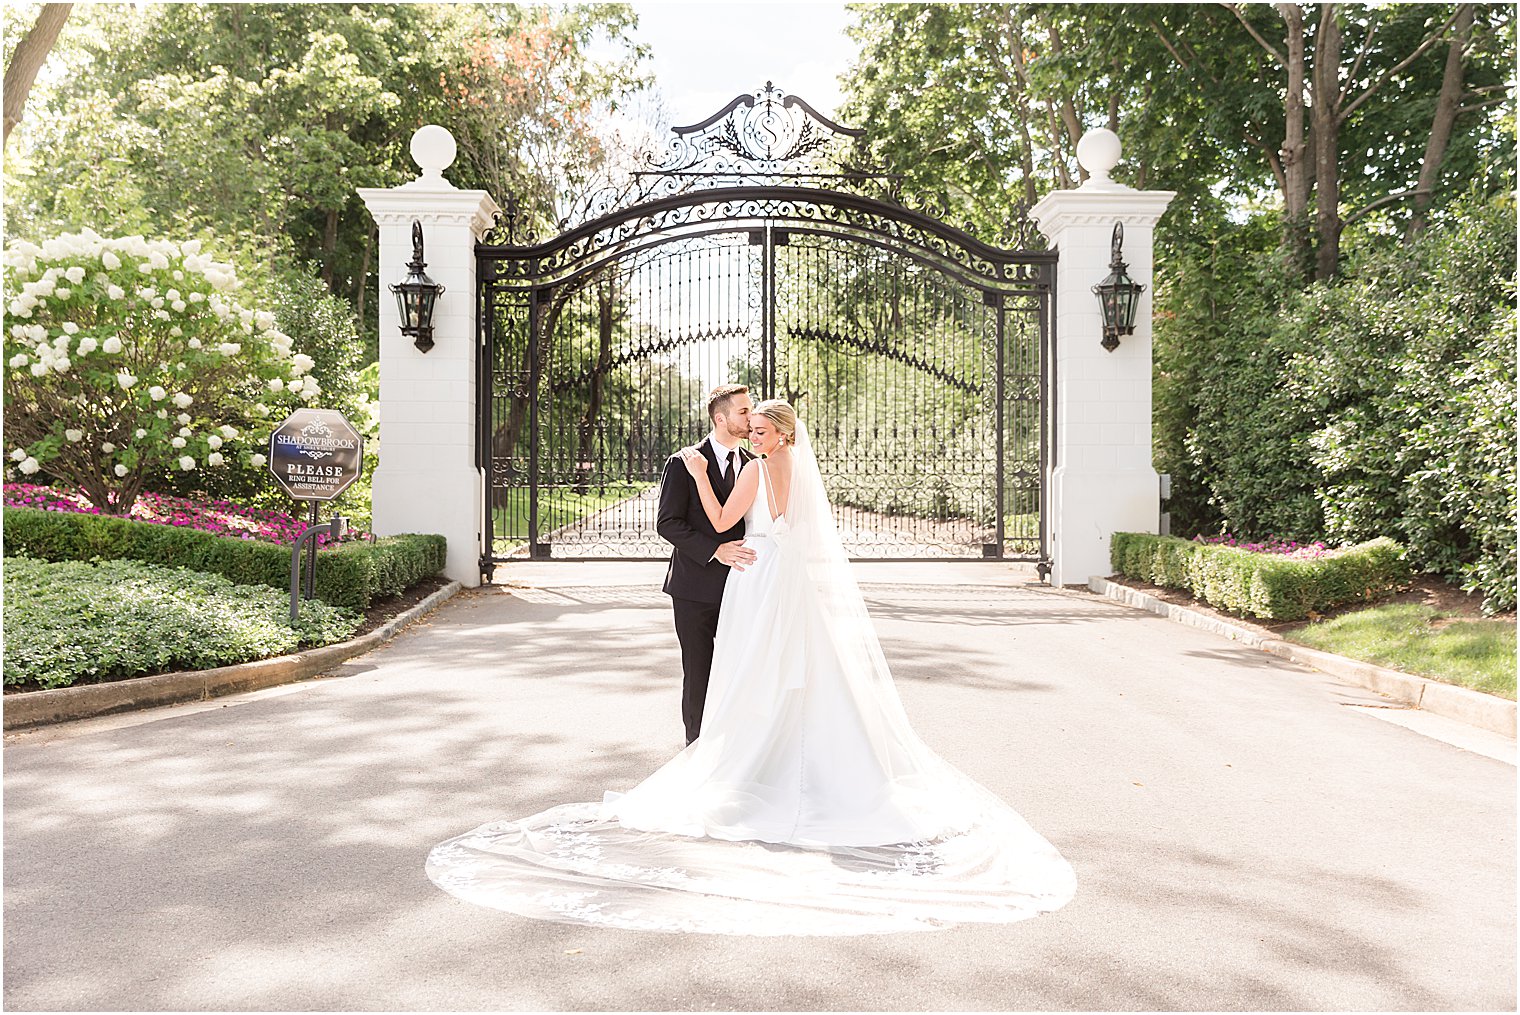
{"points": [[808, 805]]}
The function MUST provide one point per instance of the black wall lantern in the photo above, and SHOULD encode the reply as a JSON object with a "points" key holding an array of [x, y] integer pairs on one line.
{"points": [[1118, 295], [417, 296]]}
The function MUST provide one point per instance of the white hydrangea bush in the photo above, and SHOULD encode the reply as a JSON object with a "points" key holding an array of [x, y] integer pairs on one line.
{"points": [[129, 357]]}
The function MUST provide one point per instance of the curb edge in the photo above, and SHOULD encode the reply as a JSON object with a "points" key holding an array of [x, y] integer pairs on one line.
{"points": [[1460, 703]]}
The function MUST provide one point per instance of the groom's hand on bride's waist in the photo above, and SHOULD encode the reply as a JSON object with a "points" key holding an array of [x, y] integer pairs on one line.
{"points": [[735, 554]]}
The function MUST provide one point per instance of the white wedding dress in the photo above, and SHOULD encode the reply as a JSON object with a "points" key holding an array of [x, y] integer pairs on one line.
{"points": [[807, 806]]}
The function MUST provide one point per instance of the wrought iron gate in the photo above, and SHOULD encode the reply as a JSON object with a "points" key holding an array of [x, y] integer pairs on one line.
{"points": [[750, 253]]}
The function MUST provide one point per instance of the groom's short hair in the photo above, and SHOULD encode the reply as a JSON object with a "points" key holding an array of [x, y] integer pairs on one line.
{"points": [[720, 398]]}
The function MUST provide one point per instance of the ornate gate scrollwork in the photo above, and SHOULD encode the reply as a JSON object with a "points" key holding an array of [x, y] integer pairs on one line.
{"points": [[760, 247]]}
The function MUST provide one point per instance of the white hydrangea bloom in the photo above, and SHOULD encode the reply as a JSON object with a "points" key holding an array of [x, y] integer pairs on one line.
{"points": [[229, 432], [29, 465], [214, 442], [176, 331], [229, 348], [191, 247], [112, 345], [162, 414], [73, 436], [257, 461], [176, 442], [161, 315], [183, 400], [275, 384], [184, 431], [87, 345], [178, 306], [70, 328], [157, 393], [63, 292], [183, 418], [295, 386], [120, 470], [108, 447], [186, 463], [116, 292], [19, 455], [62, 364], [197, 297], [125, 379], [140, 434], [301, 363], [215, 458], [112, 262], [19, 360], [194, 343], [75, 274]]}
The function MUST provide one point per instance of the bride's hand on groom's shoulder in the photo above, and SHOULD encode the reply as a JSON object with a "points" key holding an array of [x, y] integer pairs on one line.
{"points": [[694, 462]]}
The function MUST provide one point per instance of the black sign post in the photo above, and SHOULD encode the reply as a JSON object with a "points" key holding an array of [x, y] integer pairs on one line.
{"points": [[315, 455]]}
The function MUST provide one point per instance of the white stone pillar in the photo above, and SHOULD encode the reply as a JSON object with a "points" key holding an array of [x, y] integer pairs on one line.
{"points": [[1103, 480], [427, 480]]}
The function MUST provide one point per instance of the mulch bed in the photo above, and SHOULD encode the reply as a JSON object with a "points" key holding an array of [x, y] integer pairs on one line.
{"points": [[382, 610], [1425, 590]]}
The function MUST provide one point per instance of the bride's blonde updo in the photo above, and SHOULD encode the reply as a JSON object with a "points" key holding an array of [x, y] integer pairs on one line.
{"points": [[780, 412]]}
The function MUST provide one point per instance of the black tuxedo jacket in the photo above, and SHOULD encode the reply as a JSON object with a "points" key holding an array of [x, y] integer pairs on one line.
{"points": [[693, 574]]}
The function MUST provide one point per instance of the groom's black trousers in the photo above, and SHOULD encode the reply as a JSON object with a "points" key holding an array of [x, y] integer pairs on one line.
{"points": [[696, 627]]}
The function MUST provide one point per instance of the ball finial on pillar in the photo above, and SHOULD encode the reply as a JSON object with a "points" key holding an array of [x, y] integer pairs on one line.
{"points": [[1098, 153], [433, 149]]}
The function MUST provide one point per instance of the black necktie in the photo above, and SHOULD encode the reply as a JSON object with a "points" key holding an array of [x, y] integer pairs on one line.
{"points": [[728, 477], [732, 457]]}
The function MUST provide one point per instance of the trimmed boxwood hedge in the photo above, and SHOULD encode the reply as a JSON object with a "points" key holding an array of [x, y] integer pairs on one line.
{"points": [[1261, 584], [352, 574]]}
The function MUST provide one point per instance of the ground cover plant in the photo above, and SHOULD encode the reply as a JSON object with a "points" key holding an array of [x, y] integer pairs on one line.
{"points": [[76, 622]]}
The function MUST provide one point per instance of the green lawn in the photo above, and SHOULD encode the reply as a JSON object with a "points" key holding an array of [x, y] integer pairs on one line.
{"points": [[1479, 654], [558, 508]]}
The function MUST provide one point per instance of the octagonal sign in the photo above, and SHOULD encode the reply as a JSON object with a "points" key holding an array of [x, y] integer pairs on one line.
{"points": [[315, 454]]}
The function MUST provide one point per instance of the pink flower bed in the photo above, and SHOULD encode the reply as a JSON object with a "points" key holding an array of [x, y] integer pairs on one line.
{"points": [[219, 517], [1273, 545]]}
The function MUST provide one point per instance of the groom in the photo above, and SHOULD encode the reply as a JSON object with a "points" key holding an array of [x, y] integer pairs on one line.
{"points": [[702, 556]]}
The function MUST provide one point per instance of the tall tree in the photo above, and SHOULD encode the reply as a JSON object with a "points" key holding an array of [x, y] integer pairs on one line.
{"points": [[29, 56]]}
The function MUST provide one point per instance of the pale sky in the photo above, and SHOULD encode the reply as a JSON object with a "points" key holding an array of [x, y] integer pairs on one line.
{"points": [[704, 54]]}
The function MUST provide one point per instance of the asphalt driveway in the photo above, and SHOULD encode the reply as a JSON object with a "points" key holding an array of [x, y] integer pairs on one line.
{"points": [[1247, 834]]}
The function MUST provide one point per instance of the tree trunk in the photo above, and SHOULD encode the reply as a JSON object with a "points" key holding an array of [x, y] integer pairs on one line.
{"points": [[1020, 86], [1327, 142], [31, 53], [1452, 83], [1069, 116], [1294, 160], [329, 247], [585, 467], [361, 284]]}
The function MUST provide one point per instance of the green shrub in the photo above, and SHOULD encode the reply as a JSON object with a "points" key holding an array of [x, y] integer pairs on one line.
{"points": [[87, 622], [350, 575], [1265, 585]]}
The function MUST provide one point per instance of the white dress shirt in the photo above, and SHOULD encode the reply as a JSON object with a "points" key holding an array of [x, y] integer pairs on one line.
{"points": [[722, 451]]}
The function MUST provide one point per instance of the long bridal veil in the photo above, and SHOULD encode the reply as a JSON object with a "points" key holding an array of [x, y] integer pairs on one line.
{"points": [[908, 842]]}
